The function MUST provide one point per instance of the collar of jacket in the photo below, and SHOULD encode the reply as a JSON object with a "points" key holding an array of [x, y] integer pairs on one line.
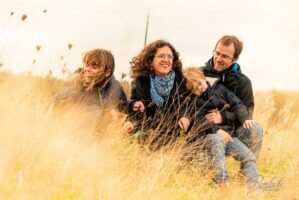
{"points": [[234, 68], [205, 95], [105, 91], [107, 84]]}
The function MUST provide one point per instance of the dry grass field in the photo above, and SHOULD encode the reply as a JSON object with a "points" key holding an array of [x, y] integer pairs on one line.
{"points": [[67, 153]]}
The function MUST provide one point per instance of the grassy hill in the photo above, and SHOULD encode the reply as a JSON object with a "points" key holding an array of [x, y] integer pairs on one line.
{"points": [[66, 153]]}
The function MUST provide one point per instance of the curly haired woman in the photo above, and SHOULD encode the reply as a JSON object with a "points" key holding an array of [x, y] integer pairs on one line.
{"points": [[158, 89]]}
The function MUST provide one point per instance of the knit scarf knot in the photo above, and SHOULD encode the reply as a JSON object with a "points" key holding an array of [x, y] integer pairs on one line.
{"points": [[161, 87]]}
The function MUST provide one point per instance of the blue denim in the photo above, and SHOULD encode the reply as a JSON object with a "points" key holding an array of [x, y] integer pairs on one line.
{"points": [[217, 150], [252, 138]]}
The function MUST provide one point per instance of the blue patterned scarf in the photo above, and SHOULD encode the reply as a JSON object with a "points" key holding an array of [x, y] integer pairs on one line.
{"points": [[161, 87]]}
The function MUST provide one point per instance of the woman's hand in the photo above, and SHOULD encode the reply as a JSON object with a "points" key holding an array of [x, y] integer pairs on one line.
{"points": [[184, 123], [138, 106], [249, 123], [128, 127]]}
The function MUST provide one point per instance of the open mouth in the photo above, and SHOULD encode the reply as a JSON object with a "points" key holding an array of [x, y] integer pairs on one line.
{"points": [[165, 66]]}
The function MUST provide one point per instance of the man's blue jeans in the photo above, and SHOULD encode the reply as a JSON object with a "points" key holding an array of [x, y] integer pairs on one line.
{"points": [[252, 138], [217, 150]]}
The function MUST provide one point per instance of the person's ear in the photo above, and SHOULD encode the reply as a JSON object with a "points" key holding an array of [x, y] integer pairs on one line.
{"points": [[151, 66], [188, 85], [235, 60]]}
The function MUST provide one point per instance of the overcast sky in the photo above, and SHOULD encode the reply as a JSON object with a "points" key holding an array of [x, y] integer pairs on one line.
{"points": [[268, 28]]}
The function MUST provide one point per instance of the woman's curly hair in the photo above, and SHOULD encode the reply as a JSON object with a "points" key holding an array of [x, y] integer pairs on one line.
{"points": [[141, 64]]}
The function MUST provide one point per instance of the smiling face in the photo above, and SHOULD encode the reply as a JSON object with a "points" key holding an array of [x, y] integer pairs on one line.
{"points": [[91, 72], [195, 80], [98, 66], [199, 86], [223, 56], [162, 62]]}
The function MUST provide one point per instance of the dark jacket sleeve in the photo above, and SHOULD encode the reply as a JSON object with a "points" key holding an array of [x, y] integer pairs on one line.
{"points": [[228, 117], [136, 95], [236, 105], [210, 128], [245, 93], [185, 104], [184, 110], [68, 92], [115, 96], [123, 102], [201, 126]]}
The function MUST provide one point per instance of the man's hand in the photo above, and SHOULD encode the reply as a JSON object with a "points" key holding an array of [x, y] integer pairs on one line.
{"points": [[128, 127], [214, 116], [226, 136], [138, 106], [184, 123], [249, 123]]}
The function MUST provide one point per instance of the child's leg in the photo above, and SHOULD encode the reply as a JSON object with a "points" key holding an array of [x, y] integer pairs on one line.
{"points": [[242, 153], [216, 151]]}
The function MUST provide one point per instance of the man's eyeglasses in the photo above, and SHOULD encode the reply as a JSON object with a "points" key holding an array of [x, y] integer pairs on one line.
{"points": [[223, 56], [164, 56]]}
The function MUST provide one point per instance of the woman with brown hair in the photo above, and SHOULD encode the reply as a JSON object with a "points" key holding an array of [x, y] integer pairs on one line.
{"points": [[158, 89], [94, 83]]}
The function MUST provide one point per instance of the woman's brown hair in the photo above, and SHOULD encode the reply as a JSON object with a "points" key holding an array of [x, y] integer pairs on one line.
{"points": [[99, 57], [141, 64]]}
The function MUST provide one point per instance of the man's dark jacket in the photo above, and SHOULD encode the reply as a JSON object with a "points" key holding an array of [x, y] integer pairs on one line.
{"points": [[236, 82]]}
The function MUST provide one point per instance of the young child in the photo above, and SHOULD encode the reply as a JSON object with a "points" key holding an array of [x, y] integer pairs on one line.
{"points": [[218, 138]]}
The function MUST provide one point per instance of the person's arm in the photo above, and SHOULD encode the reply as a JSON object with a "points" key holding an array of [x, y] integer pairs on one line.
{"points": [[186, 107], [184, 123], [223, 115], [135, 107], [228, 117], [66, 93], [241, 111], [245, 93], [186, 111], [117, 97], [236, 106], [185, 99], [123, 102], [136, 95], [250, 111], [202, 126]]}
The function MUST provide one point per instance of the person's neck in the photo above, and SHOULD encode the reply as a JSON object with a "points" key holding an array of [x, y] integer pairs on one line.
{"points": [[163, 75]]}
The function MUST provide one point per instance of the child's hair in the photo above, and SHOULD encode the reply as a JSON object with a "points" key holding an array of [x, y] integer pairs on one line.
{"points": [[191, 75]]}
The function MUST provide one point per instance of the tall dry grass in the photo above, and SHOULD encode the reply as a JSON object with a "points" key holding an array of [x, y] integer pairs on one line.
{"points": [[67, 153]]}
